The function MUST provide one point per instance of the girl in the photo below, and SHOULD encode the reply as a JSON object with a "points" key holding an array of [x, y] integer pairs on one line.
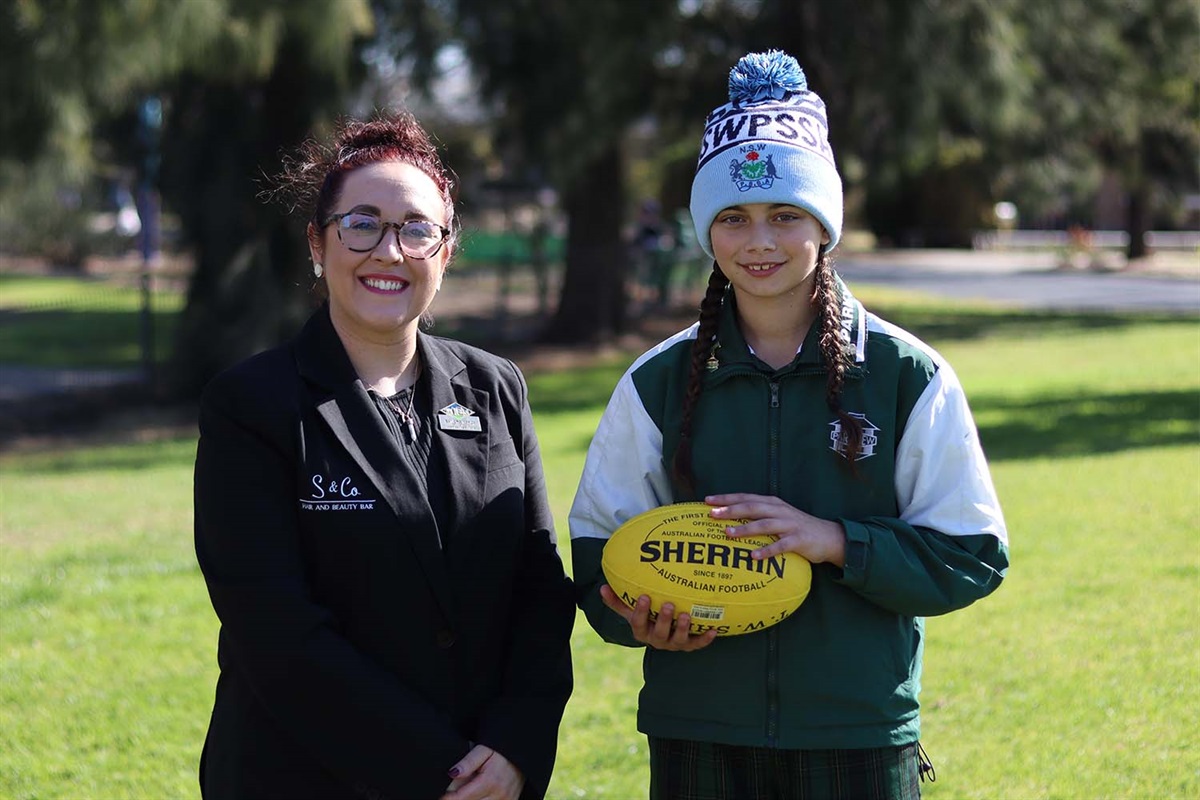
{"points": [[844, 437]]}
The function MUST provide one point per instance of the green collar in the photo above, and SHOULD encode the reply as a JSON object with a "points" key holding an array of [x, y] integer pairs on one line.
{"points": [[732, 350]]}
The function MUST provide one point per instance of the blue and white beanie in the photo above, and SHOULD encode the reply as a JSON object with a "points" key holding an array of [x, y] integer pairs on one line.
{"points": [[768, 144]]}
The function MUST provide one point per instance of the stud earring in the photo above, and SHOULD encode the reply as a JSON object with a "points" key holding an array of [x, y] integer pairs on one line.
{"points": [[318, 269]]}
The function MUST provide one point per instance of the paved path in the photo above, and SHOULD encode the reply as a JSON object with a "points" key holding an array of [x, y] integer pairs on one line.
{"points": [[18, 383], [1030, 280]]}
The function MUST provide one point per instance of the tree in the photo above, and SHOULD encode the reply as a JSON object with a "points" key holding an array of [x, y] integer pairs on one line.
{"points": [[936, 108], [1123, 85], [917, 93], [226, 131], [566, 81], [239, 80]]}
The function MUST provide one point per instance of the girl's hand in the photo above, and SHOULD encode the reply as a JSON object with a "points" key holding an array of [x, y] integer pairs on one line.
{"points": [[818, 540], [484, 773], [667, 632]]}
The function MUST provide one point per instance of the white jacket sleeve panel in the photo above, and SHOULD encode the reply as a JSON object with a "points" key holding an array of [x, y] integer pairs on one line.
{"points": [[948, 545], [942, 480], [624, 473], [622, 477]]}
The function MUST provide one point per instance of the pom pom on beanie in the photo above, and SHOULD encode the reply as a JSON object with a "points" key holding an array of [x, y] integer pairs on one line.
{"points": [[759, 77]]}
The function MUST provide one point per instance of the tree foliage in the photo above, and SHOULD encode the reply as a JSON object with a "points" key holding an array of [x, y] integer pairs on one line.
{"points": [[225, 134], [239, 79], [566, 81], [1117, 87], [940, 108], [937, 109], [916, 94]]}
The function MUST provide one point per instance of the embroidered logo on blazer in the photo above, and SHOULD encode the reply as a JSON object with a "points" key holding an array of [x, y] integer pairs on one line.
{"points": [[330, 493], [839, 439]]}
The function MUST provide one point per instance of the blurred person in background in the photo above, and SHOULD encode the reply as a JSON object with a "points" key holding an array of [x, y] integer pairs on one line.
{"points": [[842, 436], [372, 523], [656, 245]]}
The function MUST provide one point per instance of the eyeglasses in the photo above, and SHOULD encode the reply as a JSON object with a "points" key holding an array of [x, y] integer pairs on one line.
{"points": [[362, 233]]}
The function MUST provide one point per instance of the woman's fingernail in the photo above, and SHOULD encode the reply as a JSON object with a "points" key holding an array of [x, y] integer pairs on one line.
{"points": [[455, 772]]}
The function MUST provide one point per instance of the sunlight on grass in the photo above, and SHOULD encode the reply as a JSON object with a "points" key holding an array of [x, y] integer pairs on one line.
{"points": [[1079, 668], [108, 637]]}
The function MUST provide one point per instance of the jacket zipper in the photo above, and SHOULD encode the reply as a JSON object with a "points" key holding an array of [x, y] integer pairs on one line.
{"points": [[773, 425]]}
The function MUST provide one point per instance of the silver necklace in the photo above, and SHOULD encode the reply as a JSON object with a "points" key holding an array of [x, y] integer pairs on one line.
{"points": [[406, 414]]}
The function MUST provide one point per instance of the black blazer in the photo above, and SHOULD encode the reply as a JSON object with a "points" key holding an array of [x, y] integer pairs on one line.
{"points": [[357, 658]]}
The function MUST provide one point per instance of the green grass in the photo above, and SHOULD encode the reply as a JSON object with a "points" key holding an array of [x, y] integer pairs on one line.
{"points": [[1079, 678], [79, 322]]}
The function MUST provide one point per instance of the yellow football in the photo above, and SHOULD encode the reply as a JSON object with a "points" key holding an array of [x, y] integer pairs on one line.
{"points": [[679, 554]]}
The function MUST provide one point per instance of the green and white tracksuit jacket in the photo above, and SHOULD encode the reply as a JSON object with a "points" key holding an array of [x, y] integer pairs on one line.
{"points": [[924, 531]]}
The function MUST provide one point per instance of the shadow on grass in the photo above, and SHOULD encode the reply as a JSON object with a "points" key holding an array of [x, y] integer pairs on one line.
{"points": [[179, 450], [1075, 424], [1055, 425], [1047, 427], [575, 389], [943, 322], [74, 338]]}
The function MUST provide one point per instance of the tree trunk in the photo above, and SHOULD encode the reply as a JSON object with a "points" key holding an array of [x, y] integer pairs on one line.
{"points": [[592, 303], [1136, 222], [251, 286], [1137, 211]]}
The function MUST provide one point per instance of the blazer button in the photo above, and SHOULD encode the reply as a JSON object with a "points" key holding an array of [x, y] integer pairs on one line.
{"points": [[445, 639]]}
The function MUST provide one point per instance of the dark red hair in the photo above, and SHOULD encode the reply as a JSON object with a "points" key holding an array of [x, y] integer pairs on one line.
{"points": [[312, 178]]}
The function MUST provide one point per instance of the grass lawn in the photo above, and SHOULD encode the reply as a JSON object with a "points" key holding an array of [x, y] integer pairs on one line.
{"points": [[1079, 678]]}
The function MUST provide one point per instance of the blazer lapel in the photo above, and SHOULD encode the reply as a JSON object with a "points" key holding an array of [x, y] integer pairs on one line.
{"points": [[466, 451], [351, 416]]}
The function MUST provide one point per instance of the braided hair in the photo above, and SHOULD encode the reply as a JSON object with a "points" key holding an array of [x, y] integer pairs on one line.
{"points": [[827, 300], [702, 350]]}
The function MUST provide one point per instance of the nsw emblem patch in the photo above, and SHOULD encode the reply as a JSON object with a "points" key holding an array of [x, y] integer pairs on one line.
{"points": [[754, 169]]}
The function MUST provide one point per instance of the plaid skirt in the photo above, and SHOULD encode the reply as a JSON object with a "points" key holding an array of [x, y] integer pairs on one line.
{"points": [[687, 770]]}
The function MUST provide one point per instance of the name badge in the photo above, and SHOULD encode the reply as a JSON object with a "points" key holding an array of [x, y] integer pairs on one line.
{"points": [[456, 417]]}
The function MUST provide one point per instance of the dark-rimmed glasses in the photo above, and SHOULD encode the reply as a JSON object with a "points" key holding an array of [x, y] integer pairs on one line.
{"points": [[362, 233]]}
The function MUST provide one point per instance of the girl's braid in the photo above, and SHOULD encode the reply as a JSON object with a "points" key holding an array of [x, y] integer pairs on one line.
{"points": [[702, 350], [828, 301]]}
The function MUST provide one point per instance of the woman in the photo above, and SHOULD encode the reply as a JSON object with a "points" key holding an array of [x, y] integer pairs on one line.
{"points": [[844, 437], [372, 522]]}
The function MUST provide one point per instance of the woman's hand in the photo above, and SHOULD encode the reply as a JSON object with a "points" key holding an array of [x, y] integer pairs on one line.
{"points": [[484, 774], [666, 632], [818, 540]]}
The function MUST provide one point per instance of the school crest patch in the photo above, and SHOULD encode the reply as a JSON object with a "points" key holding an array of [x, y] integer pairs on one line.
{"points": [[838, 439]]}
